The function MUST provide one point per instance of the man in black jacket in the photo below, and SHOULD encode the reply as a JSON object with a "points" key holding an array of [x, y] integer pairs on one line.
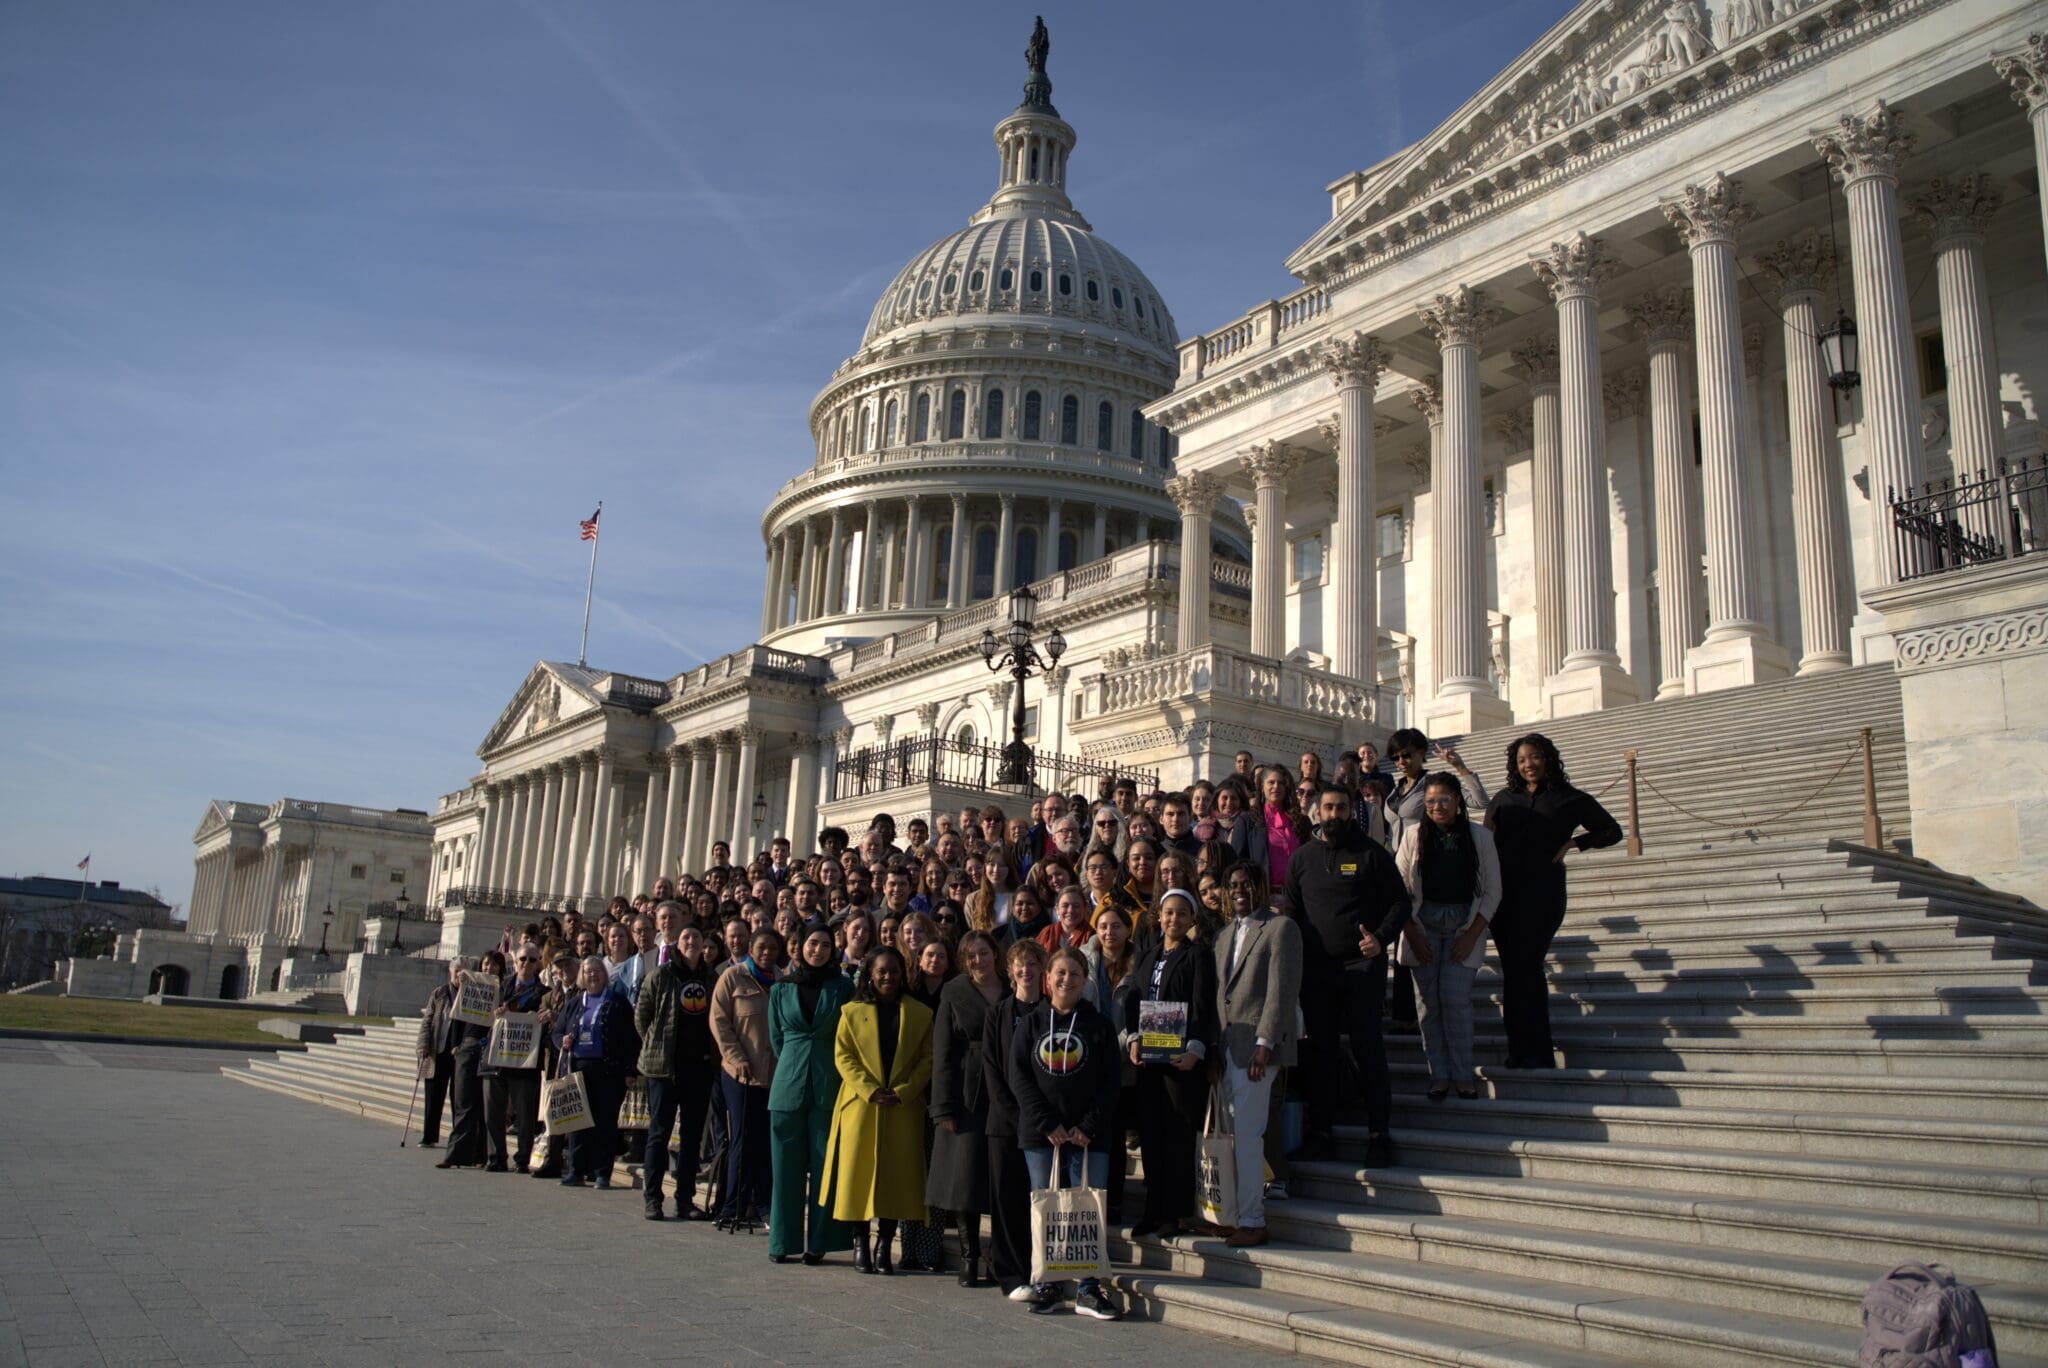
{"points": [[436, 1052], [1348, 897]]}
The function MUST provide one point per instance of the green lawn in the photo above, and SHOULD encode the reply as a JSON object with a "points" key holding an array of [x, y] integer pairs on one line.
{"points": [[97, 1016]]}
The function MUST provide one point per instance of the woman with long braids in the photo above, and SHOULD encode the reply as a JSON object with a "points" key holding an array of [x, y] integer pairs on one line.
{"points": [[1453, 879], [874, 1161], [1537, 820]]}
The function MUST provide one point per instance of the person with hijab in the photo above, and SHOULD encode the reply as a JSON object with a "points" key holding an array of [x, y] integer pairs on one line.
{"points": [[803, 1026]]}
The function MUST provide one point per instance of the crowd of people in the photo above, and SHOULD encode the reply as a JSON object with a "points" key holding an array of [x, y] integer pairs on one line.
{"points": [[905, 1031]]}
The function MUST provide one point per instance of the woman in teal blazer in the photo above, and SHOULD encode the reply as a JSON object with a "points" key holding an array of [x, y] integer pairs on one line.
{"points": [[803, 1019]]}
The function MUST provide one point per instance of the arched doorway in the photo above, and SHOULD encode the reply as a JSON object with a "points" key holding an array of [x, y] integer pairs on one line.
{"points": [[231, 982], [276, 976], [170, 979]]}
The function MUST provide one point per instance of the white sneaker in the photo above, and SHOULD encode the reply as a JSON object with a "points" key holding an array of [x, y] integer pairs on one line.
{"points": [[1276, 1192], [1024, 1292]]}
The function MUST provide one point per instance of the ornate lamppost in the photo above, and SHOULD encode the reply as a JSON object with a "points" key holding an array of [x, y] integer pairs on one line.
{"points": [[326, 917], [398, 922], [1022, 660]]}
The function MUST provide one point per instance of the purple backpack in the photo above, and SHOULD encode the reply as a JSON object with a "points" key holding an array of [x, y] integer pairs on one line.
{"points": [[1918, 1316]]}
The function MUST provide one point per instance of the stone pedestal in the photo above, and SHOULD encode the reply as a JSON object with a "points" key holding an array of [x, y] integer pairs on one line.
{"points": [[1457, 714], [1589, 687], [1733, 661]]}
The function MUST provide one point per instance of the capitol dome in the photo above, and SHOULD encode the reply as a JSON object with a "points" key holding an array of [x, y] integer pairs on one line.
{"points": [[990, 429]]}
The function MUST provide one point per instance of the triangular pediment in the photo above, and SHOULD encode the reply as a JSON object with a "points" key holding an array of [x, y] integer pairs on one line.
{"points": [[215, 820], [1601, 54], [551, 693]]}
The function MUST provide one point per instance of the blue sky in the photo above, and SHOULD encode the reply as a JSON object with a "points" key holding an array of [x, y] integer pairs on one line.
{"points": [[322, 325]]}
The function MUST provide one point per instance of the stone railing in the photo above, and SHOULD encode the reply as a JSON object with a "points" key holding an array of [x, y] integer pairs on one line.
{"points": [[1259, 330], [1005, 453], [1226, 673], [451, 803], [758, 662]]}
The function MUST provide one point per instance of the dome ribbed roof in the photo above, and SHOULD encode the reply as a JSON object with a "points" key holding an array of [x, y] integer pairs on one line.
{"points": [[962, 276]]}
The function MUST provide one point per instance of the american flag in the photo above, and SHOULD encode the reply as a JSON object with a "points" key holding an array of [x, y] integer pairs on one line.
{"points": [[589, 526], [85, 863]]}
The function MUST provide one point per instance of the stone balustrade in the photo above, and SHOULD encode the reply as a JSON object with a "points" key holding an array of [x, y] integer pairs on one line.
{"points": [[1223, 672]]}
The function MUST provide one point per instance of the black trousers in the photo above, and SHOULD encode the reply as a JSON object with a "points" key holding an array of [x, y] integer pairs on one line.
{"points": [[682, 1099], [1401, 1004], [1009, 1212], [466, 1097], [512, 1097], [1523, 927], [437, 1097], [748, 1181], [1170, 1106], [1350, 1000], [593, 1150]]}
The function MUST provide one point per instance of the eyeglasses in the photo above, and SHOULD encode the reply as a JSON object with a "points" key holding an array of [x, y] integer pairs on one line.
{"points": [[1105, 823], [526, 959]]}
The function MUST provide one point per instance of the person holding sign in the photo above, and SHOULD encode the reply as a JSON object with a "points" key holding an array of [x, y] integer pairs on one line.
{"points": [[512, 1089], [476, 997], [595, 1031], [1169, 1029], [1064, 1074]]}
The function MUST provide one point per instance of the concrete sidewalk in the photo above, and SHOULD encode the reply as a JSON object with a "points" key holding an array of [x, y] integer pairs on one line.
{"points": [[157, 1213]]}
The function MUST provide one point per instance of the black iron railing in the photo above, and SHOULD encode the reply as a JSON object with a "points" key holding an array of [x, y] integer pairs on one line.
{"points": [[1949, 524], [931, 759], [511, 899]]}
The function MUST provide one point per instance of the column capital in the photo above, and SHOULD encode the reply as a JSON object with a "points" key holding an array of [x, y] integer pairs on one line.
{"points": [[1009, 500], [1194, 495], [1056, 679], [1537, 360], [1574, 268], [2026, 71], [1513, 427], [1331, 430], [837, 515], [1662, 317], [725, 742], [842, 737], [747, 734], [1459, 318], [1865, 146], [679, 755], [1270, 463], [1956, 210], [701, 746], [1624, 394], [1429, 401], [959, 499], [1710, 212], [1354, 360], [927, 716], [1804, 264]]}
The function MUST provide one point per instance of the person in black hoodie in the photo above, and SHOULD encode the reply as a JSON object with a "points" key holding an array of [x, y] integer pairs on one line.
{"points": [[1065, 1072], [1173, 1094], [1537, 821], [1346, 894], [680, 1062], [1009, 1219]]}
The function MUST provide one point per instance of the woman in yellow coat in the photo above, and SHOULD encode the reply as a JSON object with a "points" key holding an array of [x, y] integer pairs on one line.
{"points": [[875, 1157]]}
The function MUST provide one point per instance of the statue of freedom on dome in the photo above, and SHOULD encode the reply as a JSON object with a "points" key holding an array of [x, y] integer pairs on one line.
{"points": [[1039, 46]]}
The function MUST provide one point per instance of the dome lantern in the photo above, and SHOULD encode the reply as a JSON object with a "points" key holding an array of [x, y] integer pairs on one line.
{"points": [[1032, 144]]}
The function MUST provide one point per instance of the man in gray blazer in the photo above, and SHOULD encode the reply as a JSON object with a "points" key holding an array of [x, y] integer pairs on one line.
{"points": [[1258, 1002]]}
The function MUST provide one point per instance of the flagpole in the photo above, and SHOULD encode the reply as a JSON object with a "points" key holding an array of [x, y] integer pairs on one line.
{"points": [[583, 648]]}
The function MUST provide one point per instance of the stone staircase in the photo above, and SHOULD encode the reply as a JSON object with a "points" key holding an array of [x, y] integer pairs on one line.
{"points": [[322, 1000], [1789, 1062], [370, 1074]]}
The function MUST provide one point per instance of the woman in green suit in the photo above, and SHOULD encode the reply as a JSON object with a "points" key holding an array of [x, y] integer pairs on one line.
{"points": [[875, 1158], [803, 1023]]}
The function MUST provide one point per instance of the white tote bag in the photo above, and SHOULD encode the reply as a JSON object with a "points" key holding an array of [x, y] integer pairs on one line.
{"points": [[565, 1105], [1069, 1228], [1216, 1171]]}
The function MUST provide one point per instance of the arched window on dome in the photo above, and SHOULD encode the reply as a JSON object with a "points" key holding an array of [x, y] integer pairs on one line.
{"points": [[1070, 421], [983, 584], [1094, 292], [1037, 281], [1070, 550], [992, 415], [1137, 435], [956, 416], [1033, 173], [1007, 279], [1105, 425], [1138, 302], [1116, 297], [1034, 415], [889, 425], [1066, 283], [921, 419], [1026, 569], [942, 562]]}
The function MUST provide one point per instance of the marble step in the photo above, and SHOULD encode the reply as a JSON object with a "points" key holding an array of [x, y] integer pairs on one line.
{"points": [[1650, 1025], [1819, 946], [374, 1108], [1729, 998], [1940, 1101], [1952, 970], [2003, 1251], [1804, 1285], [1933, 1059]]}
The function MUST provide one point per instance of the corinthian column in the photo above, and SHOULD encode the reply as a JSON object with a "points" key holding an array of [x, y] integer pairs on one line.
{"points": [[768, 622], [651, 819], [697, 816], [550, 822], [597, 870], [1195, 497], [1957, 211], [957, 562], [1738, 648], [1590, 677], [1538, 362], [1465, 699], [835, 568], [560, 883], [914, 579], [2026, 71], [1663, 319], [582, 819], [1820, 520], [672, 813], [1355, 364], [864, 592], [807, 567], [720, 828], [743, 796], [1864, 155], [1269, 464]]}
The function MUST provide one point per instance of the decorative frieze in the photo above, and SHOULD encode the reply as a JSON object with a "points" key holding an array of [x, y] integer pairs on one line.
{"points": [[1957, 642]]}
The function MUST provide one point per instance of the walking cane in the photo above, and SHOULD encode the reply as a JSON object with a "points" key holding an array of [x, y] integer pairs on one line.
{"points": [[417, 1076]]}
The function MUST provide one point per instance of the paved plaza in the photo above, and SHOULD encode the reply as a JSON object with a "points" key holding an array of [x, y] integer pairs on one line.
{"points": [[154, 1212]]}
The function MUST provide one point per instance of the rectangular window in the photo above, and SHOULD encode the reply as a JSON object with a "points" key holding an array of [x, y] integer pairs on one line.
{"points": [[1031, 723], [359, 871], [1389, 537], [398, 876], [1933, 364], [1308, 558]]}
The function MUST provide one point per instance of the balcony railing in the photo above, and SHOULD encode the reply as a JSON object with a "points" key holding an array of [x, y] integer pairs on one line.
{"points": [[1226, 673], [932, 759], [1951, 524]]}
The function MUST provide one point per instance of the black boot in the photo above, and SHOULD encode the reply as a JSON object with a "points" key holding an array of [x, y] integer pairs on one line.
{"points": [[885, 1256], [970, 1250], [863, 1248]]}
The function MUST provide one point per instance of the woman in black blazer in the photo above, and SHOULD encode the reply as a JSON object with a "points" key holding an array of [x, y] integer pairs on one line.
{"points": [[1173, 1094]]}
